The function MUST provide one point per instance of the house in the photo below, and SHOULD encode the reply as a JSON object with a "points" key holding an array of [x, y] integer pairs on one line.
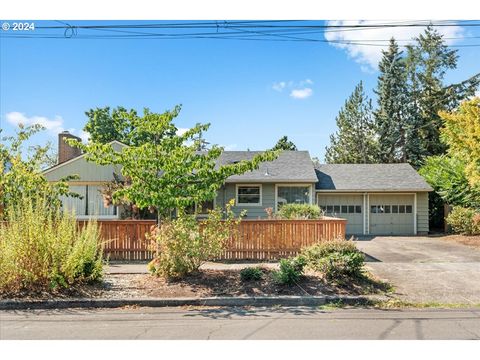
{"points": [[377, 199], [92, 178]]}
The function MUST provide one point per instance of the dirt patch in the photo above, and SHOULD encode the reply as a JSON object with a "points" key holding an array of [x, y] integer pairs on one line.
{"points": [[92, 290], [211, 283], [472, 240]]}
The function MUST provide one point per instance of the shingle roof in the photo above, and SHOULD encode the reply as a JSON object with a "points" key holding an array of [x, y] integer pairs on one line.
{"points": [[368, 177], [290, 166]]}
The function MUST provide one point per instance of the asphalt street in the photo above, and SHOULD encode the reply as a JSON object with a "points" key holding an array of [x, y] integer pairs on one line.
{"points": [[238, 323]]}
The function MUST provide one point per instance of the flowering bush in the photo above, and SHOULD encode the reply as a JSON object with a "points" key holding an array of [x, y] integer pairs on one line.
{"points": [[184, 244], [464, 220]]}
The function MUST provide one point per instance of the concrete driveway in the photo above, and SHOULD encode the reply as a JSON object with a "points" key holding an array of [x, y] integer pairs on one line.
{"points": [[425, 269]]}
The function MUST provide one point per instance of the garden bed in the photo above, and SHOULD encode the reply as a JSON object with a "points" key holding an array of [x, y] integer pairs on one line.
{"points": [[209, 283], [470, 240]]}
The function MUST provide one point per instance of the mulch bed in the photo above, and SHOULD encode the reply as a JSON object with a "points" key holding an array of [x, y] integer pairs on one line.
{"points": [[209, 283], [472, 240]]}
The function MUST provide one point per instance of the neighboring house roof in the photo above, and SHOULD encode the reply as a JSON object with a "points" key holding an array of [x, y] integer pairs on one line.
{"points": [[369, 177], [290, 166]]}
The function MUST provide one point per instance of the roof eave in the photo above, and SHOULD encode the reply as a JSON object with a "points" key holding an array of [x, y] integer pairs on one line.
{"points": [[376, 190], [306, 181]]}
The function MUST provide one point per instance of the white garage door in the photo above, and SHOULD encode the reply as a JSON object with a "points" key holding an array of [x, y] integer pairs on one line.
{"points": [[391, 214], [348, 207]]}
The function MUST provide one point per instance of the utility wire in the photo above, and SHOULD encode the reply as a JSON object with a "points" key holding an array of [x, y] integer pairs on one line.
{"points": [[254, 30]]}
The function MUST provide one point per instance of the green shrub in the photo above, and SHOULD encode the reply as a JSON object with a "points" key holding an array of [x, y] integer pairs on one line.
{"points": [[184, 244], [464, 220], [42, 248], [251, 274], [291, 270], [334, 259], [299, 212]]}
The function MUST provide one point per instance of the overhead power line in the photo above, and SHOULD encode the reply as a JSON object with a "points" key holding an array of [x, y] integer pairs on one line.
{"points": [[254, 30]]}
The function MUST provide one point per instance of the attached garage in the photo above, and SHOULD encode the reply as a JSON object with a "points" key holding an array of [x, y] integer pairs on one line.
{"points": [[391, 214], [347, 206], [391, 199]]}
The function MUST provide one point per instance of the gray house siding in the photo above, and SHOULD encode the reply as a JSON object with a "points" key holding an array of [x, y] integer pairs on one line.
{"points": [[228, 192], [87, 171], [422, 213]]}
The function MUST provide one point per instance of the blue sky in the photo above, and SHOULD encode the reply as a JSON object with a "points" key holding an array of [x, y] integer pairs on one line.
{"points": [[252, 92]]}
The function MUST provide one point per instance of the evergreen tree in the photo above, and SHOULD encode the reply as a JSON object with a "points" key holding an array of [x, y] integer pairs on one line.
{"points": [[355, 141], [427, 62], [390, 118], [284, 144]]}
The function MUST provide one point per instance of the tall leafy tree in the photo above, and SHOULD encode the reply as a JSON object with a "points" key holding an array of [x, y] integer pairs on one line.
{"points": [[462, 135], [167, 172], [390, 114], [105, 125], [355, 140], [21, 172], [448, 177], [284, 144], [427, 63]]}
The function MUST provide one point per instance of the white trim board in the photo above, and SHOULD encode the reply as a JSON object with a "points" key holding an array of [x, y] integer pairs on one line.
{"points": [[248, 204]]}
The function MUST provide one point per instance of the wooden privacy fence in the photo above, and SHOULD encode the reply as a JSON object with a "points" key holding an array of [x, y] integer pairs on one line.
{"points": [[255, 239], [125, 239], [273, 239]]}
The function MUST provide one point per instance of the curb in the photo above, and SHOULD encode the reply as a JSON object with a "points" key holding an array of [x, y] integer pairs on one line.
{"points": [[263, 301]]}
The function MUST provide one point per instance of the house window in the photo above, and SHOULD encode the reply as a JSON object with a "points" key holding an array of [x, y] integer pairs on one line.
{"points": [[249, 195], [293, 195]]}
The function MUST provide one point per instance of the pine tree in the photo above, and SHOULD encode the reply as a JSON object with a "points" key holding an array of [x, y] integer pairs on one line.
{"points": [[284, 144], [390, 118], [427, 62], [355, 141]]}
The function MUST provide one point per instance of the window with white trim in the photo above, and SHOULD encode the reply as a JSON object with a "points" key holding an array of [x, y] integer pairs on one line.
{"points": [[293, 194], [249, 195]]}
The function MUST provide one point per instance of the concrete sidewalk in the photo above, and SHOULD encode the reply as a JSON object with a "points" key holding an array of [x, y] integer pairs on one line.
{"points": [[141, 268]]}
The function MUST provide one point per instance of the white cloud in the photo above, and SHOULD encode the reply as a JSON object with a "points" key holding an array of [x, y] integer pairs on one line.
{"points": [[298, 89], [53, 125], [369, 56], [181, 131], [85, 136], [279, 86], [301, 93]]}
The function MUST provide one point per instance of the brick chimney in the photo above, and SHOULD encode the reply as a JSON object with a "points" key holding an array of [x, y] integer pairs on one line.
{"points": [[65, 151]]}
